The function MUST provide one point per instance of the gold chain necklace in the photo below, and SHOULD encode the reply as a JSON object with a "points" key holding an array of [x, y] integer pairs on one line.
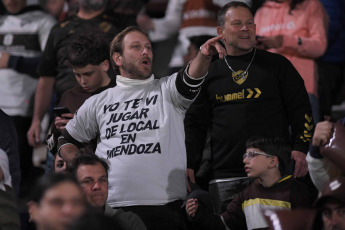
{"points": [[243, 74]]}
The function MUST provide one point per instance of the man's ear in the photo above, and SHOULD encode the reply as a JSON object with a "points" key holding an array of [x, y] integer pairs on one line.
{"points": [[274, 162], [105, 66], [117, 58], [33, 211], [220, 30]]}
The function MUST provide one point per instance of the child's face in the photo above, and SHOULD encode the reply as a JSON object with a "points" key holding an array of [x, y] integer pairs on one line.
{"points": [[92, 77], [258, 164]]}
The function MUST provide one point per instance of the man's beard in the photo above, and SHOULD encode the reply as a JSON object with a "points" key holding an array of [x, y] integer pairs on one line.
{"points": [[133, 71]]}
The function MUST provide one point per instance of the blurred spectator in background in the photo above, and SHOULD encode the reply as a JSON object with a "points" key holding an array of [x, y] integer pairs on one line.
{"points": [[332, 205], [193, 49], [297, 30], [57, 200], [9, 144], [24, 31], [186, 18], [9, 215], [55, 71], [57, 8], [125, 11], [332, 63]]}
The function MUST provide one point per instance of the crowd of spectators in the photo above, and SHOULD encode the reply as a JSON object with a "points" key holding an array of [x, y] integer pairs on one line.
{"points": [[237, 133]]}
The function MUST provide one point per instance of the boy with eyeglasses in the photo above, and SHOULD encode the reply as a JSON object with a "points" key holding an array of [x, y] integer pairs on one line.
{"points": [[265, 159]]}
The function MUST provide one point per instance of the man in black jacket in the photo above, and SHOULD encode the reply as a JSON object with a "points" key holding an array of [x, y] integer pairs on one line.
{"points": [[250, 92]]}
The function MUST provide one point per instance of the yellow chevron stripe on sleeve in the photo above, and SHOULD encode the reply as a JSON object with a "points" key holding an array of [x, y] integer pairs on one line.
{"points": [[309, 119], [309, 127]]}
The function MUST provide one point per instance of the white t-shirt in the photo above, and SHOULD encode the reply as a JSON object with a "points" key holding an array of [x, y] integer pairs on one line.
{"points": [[140, 129]]}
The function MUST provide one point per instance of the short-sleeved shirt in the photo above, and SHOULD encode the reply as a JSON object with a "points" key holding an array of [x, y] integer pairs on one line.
{"points": [[55, 62]]}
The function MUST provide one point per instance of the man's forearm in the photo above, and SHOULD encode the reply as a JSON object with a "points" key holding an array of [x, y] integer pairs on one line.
{"points": [[68, 152], [68, 147], [199, 66], [27, 65], [43, 97]]}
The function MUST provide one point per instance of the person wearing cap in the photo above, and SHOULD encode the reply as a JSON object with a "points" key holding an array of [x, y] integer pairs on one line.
{"points": [[332, 205]]}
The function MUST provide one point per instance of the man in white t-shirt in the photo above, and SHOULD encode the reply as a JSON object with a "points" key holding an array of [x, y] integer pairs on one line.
{"points": [[139, 126]]}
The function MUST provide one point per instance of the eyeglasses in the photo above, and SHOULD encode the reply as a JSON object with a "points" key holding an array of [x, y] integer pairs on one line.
{"points": [[252, 154], [327, 213]]}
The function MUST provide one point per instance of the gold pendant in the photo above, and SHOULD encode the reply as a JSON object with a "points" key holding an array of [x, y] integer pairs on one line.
{"points": [[239, 76]]}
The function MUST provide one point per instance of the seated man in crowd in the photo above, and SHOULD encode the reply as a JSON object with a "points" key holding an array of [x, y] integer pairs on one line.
{"points": [[92, 174], [267, 159], [332, 204], [57, 201]]}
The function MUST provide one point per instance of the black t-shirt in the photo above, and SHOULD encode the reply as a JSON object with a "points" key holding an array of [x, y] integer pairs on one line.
{"points": [[267, 101], [55, 62]]}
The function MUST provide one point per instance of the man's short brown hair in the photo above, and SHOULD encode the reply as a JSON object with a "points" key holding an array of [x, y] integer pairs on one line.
{"points": [[117, 43]]}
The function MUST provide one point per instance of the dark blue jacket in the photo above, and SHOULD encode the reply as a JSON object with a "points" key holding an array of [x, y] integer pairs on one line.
{"points": [[335, 52]]}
